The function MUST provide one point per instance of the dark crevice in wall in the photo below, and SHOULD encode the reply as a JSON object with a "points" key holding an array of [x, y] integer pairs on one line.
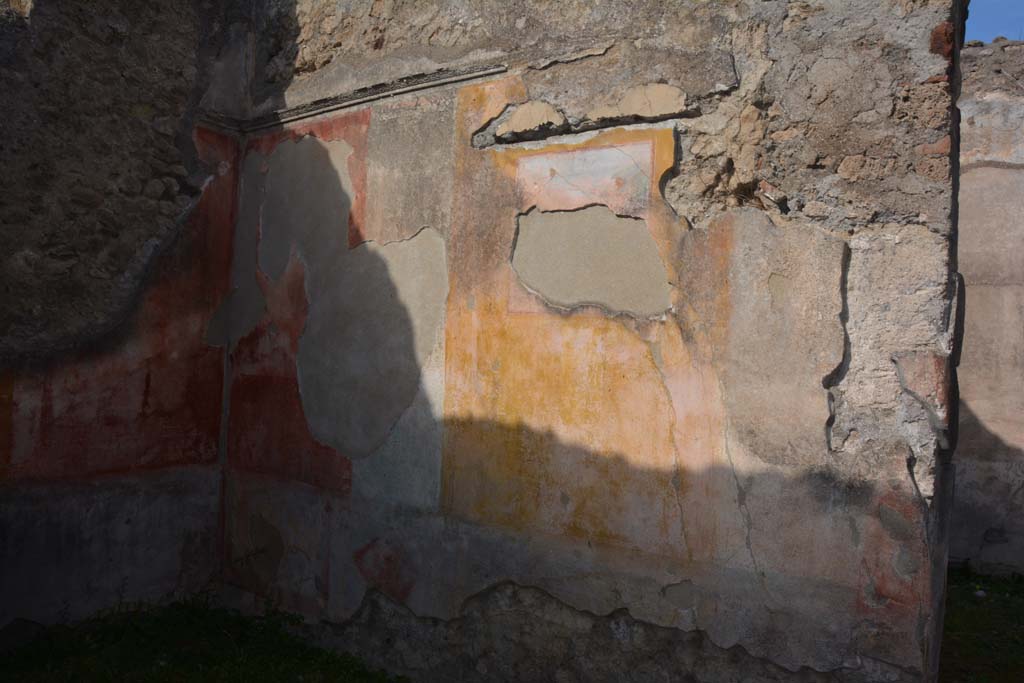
{"points": [[832, 380], [574, 57], [486, 137], [941, 509]]}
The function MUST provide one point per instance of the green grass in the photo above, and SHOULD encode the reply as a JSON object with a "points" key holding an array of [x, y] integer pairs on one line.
{"points": [[984, 635], [184, 641]]}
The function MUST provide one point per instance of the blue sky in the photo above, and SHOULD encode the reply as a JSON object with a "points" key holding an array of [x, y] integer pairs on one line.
{"points": [[990, 18]]}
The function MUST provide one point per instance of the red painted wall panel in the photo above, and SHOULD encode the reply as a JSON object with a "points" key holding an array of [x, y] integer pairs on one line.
{"points": [[151, 396]]}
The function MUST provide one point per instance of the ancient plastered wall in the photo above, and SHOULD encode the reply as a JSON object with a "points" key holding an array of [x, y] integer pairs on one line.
{"points": [[988, 526], [115, 229], [632, 310], [110, 481]]}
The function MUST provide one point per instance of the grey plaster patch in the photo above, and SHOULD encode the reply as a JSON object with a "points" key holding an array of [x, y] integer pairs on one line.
{"points": [[369, 332], [406, 469], [375, 311], [989, 243], [591, 257], [306, 207]]}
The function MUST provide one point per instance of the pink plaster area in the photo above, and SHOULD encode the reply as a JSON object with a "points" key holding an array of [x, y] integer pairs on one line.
{"points": [[617, 176], [382, 565]]}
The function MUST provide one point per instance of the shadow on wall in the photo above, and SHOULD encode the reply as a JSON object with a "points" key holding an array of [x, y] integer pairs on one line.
{"points": [[986, 533], [985, 445]]}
